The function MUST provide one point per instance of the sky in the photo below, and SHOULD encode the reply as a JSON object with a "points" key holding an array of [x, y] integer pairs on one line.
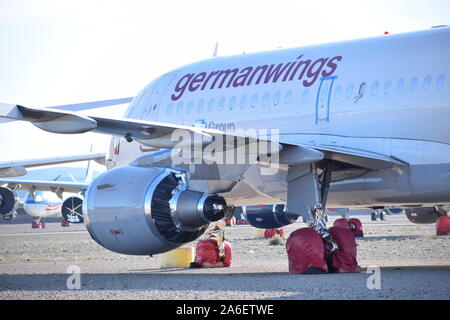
{"points": [[55, 52]]}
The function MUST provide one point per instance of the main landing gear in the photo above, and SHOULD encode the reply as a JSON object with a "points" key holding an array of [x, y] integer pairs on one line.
{"points": [[377, 214], [316, 249]]}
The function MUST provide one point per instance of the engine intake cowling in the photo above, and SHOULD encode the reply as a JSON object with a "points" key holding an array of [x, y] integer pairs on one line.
{"points": [[147, 210], [268, 217], [8, 201], [424, 215], [72, 209]]}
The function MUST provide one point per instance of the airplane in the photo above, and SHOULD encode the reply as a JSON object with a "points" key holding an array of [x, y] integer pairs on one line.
{"points": [[353, 124], [47, 204], [43, 205]]}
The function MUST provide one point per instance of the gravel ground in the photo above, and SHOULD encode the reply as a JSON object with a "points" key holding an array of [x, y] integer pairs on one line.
{"points": [[415, 264]]}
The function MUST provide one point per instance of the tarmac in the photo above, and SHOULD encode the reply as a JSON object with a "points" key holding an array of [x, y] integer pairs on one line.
{"points": [[400, 260]]}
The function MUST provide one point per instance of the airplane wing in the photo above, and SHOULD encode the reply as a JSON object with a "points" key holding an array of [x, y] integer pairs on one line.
{"points": [[54, 186], [157, 134], [18, 168]]}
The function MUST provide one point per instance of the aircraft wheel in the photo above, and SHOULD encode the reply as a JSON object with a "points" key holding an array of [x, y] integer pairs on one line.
{"points": [[356, 227], [381, 215], [373, 216], [342, 223], [306, 252], [344, 258]]}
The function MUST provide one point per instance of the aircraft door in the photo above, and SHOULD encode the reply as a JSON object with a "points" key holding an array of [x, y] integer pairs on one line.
{"points": [[323, 99]]}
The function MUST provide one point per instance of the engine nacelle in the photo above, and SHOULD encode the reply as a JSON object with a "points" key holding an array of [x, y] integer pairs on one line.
{"points": [[268, 217], [147, 210], [8, 202], [424, 215], [72, 209]]}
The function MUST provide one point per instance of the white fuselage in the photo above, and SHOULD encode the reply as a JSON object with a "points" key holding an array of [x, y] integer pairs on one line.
{"points": [[388, 95], [43, 205]]}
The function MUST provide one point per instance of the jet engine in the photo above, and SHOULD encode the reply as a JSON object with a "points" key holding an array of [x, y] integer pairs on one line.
{"points": [[72, 209], [425, 215], [147, 210], [8, 202], [268, 217]]}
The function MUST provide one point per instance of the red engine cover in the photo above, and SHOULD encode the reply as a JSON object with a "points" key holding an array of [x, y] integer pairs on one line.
{"points": [[305, 250], [443, 226]]}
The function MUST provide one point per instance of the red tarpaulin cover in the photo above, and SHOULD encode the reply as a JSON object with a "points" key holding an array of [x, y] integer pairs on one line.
{"points": [[443, 226], [344, 258], [207, 251], [357, 230], [270, 233], [305, 250], [342, 223]]}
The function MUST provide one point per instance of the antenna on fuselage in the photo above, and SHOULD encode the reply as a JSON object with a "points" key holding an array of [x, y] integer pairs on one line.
{"points": [[216, 48]]}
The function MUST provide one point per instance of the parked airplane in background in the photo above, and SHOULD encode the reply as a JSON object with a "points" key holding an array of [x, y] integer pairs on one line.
{"points": [[355, 124], [48, 204], [41, 205]]}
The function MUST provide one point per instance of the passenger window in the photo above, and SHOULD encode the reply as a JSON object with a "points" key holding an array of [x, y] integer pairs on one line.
{"points": [[400, 85], [169, 108], [254, 101], [221, 103], [413, 84], [350, 89], [276, 98], [427, 83], [200, 105], [305, 95], [211, 105], [387, 86], [440, 81], [243, 101], [288, 97], [265, 100], [180, 107], [232, 103], [375, 87], [337, 92], [190, 106]]}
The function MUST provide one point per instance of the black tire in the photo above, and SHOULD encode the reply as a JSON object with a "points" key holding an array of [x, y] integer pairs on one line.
{"points": [[373, 216]]}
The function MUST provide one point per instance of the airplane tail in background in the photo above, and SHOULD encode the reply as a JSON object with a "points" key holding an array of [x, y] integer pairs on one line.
{"points": [[89, 172]]}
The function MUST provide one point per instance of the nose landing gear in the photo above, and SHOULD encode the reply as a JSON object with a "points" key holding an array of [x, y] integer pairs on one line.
{"points": [[38, 223]]}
